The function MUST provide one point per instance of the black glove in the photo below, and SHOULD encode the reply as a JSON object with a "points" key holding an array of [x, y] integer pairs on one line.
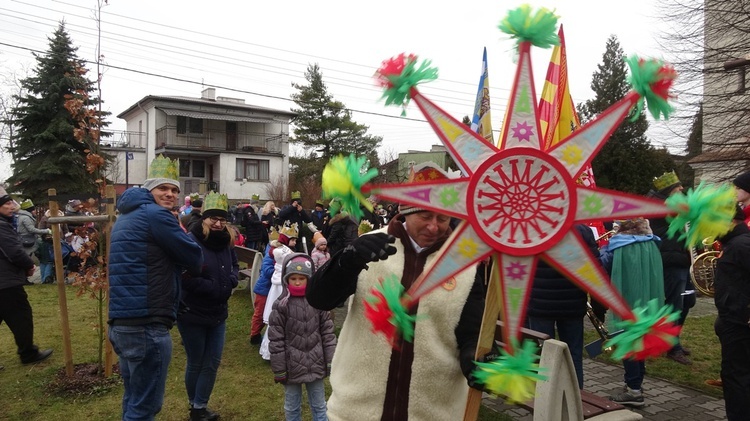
{"points": [[368, 248]]}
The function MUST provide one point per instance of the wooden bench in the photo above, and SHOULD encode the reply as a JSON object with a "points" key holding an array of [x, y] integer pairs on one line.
{"points": [[558, 397], [254, 260]]}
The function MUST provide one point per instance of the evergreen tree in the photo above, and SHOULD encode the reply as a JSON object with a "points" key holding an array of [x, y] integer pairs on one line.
{"points": [[47, 151], [325, 126], [627, 162]]}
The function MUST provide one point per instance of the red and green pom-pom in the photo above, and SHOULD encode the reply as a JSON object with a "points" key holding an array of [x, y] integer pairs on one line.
{"points": [[512, 375], [707, 210], [343, 178], [652, 80], [385, 308], [398, 75], [653, 332], [539, 28]]}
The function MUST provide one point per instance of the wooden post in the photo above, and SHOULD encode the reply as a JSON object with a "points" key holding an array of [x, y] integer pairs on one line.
{"points": [[486, 338], [59, 274], [108, 354]]}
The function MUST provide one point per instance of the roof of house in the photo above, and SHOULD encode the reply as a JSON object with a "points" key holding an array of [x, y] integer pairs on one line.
{"points": [[205, 101], [721, 156]]}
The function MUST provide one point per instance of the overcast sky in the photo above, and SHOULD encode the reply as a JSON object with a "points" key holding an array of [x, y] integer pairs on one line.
{"points": [[255, 50]]}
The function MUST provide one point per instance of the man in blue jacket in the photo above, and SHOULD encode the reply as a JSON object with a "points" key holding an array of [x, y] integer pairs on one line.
{"points": [[149, 251]]}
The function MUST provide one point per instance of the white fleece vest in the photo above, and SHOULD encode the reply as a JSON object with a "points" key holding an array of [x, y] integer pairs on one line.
{"points": [[438, 389]]}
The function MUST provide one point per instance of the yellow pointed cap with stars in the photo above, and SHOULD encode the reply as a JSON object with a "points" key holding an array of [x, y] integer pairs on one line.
{"points": [[162, 171]]}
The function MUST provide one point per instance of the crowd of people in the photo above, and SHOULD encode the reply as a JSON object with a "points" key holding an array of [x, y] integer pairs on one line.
{"points": [[176, 265]]}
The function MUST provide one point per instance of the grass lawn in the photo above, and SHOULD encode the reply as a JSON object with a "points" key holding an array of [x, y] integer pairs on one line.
{"points": [[244, 388], [697, 335]]}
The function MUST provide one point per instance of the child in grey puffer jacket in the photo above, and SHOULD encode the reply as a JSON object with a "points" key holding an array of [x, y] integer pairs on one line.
{"points": [[302, 341]]}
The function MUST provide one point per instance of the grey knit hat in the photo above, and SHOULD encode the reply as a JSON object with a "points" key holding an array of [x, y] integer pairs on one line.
{"points": [[152, 183], [297, 263]]}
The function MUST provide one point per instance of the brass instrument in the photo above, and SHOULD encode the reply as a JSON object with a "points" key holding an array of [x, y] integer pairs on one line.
{"points": [[703, 268], [606, 236], [595, 348]]}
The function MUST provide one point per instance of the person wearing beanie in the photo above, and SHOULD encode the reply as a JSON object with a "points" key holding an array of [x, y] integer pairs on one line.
{"points": [[186, 208], [742, 188], [300, 362], [320, 253], [676, 261], [149, 251], [370, 379], [203, 324], [27, 229], [15, 267], [194, 217], [732, 326], [320, 216]]}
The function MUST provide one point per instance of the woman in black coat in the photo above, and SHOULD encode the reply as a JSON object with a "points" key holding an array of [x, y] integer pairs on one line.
{"points": [[202, 325]]}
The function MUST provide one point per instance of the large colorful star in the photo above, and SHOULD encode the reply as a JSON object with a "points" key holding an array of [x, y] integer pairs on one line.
{"points": [[519, 202]]}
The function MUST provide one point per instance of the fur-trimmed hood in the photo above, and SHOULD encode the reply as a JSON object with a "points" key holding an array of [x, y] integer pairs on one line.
{"points": [[637, 226]]}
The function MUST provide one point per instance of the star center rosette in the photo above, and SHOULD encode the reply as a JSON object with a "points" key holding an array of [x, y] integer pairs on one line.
{"points": [[518, 202]]}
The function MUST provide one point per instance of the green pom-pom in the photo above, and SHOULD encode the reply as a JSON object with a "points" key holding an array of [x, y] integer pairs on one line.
{"points": [[513, 375], [398, 75], [652, 332], [343, 179], [651, 79], [707, 210], [540, 28], [385, 308]]}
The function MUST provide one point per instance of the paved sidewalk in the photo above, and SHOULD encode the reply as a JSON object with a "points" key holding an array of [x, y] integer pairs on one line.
{"points": [[664, 401]]}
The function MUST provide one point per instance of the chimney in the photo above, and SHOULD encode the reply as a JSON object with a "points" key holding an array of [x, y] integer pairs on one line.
{"points": [[209, 94]]}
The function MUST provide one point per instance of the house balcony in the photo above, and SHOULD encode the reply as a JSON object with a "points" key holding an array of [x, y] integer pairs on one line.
{"points": [[124, 139], [219, 141]]}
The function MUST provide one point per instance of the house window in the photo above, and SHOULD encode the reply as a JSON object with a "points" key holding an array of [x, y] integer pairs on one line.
{"points": [[184, 168], [199, 168], [252, 169], [189, 125], [198, 165]]}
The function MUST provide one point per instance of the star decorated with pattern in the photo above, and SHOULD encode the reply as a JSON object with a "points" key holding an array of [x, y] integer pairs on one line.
{"points": [[519, 203]]}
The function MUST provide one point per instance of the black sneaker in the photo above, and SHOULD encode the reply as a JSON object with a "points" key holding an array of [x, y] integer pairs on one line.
{"points": [[39, 357], [628, 397], [679, 356], [211, 415]]}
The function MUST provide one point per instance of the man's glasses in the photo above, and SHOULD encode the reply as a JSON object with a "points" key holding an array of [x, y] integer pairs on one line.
{"points": [[215, 219]]}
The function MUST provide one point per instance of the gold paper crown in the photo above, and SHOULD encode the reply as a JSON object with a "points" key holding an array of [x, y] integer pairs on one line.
{"points": [[296, 195], [215, 200], [256, 197], [194, 196], [665, 180], [162, 167], [26, 204], [290, 231]]}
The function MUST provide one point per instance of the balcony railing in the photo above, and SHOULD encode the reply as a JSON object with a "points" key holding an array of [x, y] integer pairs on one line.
{"points": [[124, 139], [216, 140]]}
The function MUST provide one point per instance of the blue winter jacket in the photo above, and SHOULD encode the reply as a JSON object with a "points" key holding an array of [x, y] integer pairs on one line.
{"points": [[148, 252], [263, 284]]}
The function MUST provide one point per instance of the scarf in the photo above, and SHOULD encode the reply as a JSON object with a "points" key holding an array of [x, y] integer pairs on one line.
{"points": [[217, 240]]}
